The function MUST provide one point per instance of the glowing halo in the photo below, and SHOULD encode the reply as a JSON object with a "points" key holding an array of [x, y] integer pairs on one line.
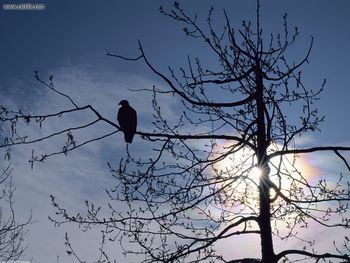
{"points": [[242, 164]]}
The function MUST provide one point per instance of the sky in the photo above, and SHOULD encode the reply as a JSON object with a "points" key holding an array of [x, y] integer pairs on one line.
{"points": [[69, 39]]}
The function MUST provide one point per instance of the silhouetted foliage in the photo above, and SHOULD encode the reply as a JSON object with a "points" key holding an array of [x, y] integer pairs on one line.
{"points": [[200, 186]]}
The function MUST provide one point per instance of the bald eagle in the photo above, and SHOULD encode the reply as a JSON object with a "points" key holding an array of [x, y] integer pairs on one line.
{"points": [[127, 119]]}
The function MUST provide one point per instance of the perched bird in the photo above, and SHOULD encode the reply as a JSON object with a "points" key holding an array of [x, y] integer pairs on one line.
{"points": [[127, 119]]}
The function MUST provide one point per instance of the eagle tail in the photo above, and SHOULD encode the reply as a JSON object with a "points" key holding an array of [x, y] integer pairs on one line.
{"points": [[128, 137]]}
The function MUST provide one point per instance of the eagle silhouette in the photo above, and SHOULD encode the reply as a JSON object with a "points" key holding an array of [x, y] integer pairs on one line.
{"points": [[127, 119]]}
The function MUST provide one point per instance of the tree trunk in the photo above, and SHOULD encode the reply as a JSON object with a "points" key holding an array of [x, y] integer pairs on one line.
{"points": [[267, 251]]}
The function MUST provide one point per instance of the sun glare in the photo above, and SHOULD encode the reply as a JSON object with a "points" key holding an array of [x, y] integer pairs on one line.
{"points": [[243, 165], [239, 177], [255, 173]]}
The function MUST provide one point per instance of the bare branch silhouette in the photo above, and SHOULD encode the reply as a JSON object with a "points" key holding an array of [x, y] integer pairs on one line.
{"points": [[239, 175]]}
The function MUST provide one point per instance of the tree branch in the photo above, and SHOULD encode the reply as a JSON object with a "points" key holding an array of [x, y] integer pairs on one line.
{"points": [[309, 150], [309, 254], [183, 95]]}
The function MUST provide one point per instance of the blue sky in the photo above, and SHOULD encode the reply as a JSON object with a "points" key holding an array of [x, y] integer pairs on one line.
{"points": [[69, 40]]}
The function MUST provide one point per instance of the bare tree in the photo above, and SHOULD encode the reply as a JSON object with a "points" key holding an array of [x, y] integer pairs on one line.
{"points": [[243, 179], [11, 231]]}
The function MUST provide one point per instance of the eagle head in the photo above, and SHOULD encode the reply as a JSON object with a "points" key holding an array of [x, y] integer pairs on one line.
{"points": [[123, 103]]}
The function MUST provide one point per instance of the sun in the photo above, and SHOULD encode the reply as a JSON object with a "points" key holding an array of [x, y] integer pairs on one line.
{"points": [[237, 178], [241, 167], [256, 172], [242, 163]]}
